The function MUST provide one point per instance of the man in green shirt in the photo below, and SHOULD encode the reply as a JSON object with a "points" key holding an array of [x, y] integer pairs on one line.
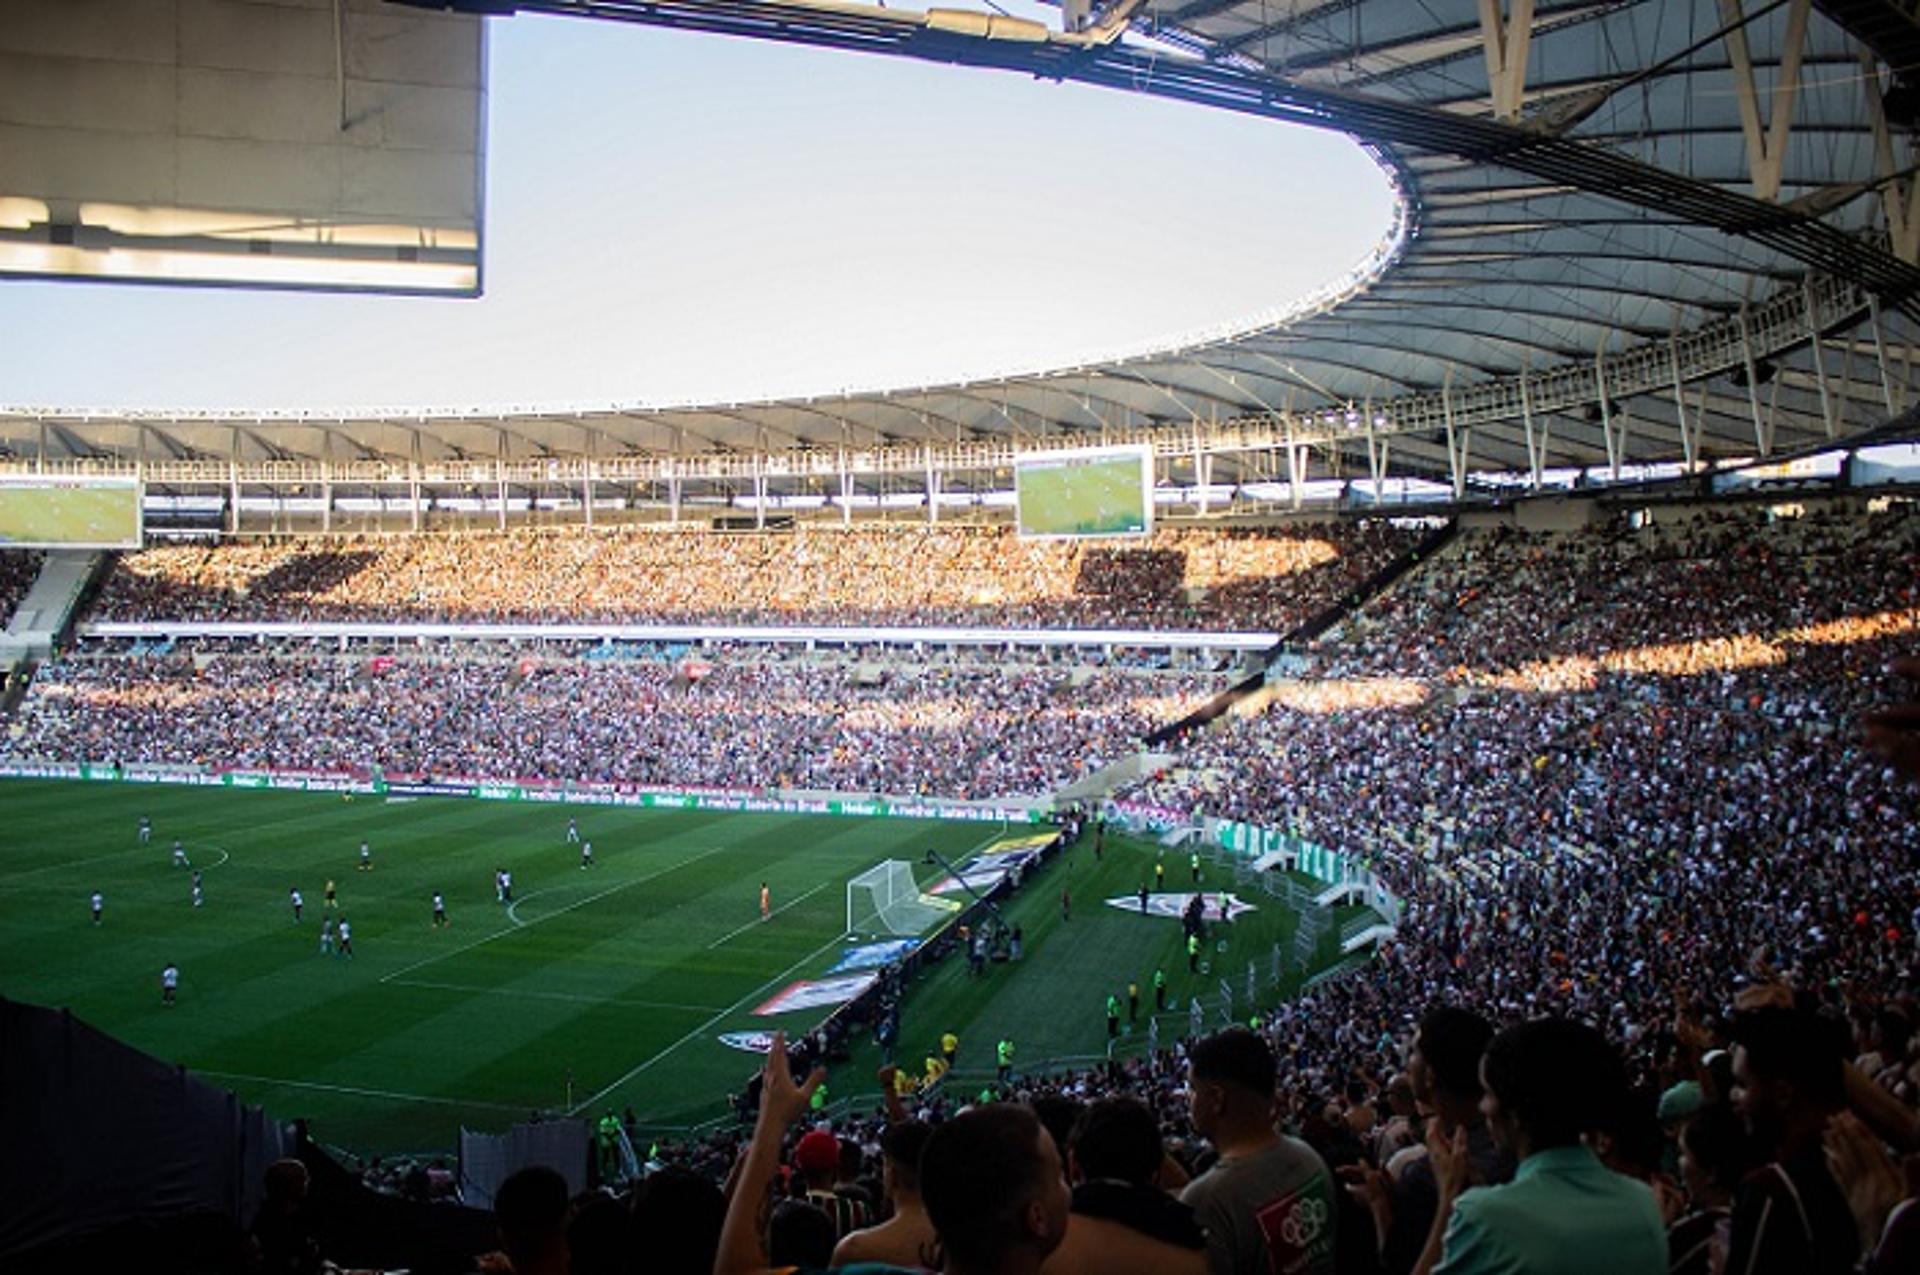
{"points": [[1113, 1016], [1003, 1052], [1548, 1083], [1159, 991], [1193, 951]]}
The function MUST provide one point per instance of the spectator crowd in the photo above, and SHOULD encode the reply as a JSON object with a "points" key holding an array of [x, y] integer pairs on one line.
{"points": [[965, 730], [18, 567], [1255, 580], [1651, 1005]]}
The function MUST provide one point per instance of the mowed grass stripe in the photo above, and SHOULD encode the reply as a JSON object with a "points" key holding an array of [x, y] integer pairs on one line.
{"points": [[1052, 1003], [594, 991], [604, 929], [693, 1063], [739, 975], [457, 1024], [517, 928]]}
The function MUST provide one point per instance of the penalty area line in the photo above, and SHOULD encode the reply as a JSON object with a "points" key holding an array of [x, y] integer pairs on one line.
{"points": [[521, 993], [358, 1092], [64, 865], [516, 926], [707, 1026], [703, 1028], [734, 934], [24, 873]]}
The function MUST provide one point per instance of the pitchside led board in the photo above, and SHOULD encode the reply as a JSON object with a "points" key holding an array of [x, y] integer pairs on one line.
{"points": [[1105, 491], [83, 514]]}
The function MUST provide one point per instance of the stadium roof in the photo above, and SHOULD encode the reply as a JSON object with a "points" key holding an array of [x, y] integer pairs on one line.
{"points": [[1624, 223]]}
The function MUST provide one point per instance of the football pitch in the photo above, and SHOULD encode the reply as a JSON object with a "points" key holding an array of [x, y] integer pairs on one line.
{"points": [[597, 987]]}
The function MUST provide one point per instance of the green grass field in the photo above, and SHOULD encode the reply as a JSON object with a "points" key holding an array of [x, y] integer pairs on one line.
{"points": [[621, 977], [1053, 1002]]}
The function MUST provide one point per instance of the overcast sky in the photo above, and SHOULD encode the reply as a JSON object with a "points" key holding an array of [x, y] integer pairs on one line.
{"points": [[676, 217]]}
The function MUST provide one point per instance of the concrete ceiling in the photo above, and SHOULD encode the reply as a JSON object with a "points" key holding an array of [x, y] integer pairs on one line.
{"points": [[1632, 230]]}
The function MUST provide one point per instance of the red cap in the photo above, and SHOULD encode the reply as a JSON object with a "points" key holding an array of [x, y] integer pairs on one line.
{"points": [[818, 1152]]}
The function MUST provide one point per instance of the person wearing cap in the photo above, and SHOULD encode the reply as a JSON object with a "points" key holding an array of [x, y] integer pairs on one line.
{"points": [[990, 1179], [1680, 1103], [1268, 1203], [817, 1157]]}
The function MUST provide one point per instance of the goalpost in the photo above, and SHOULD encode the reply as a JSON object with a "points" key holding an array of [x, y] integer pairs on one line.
{"points": [[885, 900]]}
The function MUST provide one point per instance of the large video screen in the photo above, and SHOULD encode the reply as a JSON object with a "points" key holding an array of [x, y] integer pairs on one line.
{"points": [[1100, 492], [83, 514]]}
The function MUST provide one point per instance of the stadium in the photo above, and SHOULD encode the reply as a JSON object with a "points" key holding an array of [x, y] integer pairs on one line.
{"points": [[437, 832]]}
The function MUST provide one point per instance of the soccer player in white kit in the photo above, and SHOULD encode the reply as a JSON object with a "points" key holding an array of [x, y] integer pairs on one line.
{"points": [[169, 983], [586, 855], [99, 904], [573, 832], [346, 939], [146, 830], [326, 936], [293, 897], [439, 910], [198, 896]]}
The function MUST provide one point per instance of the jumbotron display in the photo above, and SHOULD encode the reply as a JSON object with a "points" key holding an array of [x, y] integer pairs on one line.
{"points": [[1102, 492], [88, 514]]}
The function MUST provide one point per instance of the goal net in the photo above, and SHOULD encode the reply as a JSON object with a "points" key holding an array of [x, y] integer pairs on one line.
{"points": [[886, 900]]}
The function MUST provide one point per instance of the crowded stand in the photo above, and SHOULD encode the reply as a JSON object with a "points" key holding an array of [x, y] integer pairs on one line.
{"points": [[1251, 580], [964, 730], [1651, 1005], [1721, 591], [1616, 777], [18, 567]]}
